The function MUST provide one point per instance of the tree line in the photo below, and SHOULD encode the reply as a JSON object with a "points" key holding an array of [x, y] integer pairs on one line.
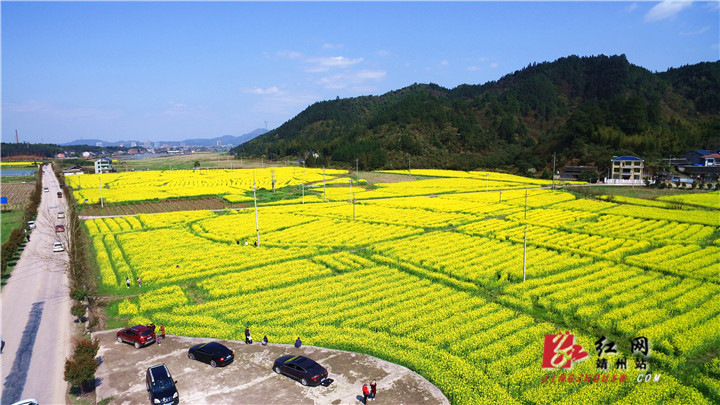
{"points": [[582, 109]]}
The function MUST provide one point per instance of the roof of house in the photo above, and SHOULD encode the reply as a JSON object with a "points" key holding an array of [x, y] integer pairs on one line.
{"points": [[701, 151], [712, 156], [105, 159], [625, 158]]}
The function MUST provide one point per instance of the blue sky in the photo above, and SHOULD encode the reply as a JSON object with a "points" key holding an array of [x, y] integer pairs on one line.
{"points": [[177, 70]]}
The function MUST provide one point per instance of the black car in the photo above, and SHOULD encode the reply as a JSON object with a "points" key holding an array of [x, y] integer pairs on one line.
{"points": [[213, 353], [161, 386], [305, 370]]}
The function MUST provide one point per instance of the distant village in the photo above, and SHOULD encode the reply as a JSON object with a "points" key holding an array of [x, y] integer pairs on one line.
{"points": [[147, 148]]}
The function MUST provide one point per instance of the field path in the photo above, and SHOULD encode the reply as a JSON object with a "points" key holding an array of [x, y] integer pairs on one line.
{"points": [[36, 321]]}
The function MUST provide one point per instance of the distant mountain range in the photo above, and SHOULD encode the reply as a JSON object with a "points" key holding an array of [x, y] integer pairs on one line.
{"points": [[224, 140]]}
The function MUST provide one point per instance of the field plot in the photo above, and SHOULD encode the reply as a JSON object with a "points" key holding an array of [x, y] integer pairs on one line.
{"points": [[292, 185], [434, 281], [17, 193]]}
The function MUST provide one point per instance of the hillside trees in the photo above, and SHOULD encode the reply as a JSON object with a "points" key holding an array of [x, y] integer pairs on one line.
{"points": [[585, 108]]}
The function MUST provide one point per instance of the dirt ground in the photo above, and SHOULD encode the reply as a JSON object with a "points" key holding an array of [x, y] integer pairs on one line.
{"points": [[250, 379]]}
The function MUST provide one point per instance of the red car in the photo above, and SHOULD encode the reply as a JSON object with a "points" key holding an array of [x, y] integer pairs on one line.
{"points": [[138, 335], [59, 228], [59, 194]]}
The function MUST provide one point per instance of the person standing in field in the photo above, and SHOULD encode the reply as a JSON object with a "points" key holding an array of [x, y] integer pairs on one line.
{"points": [[366, 393], [247, 336], [139, 282], [162, 331], [265, 340], [127, 282], [373, 389]]}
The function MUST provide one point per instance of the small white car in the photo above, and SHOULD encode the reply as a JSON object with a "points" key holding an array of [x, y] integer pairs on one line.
{"points": [[58, 247], [31, 224], [46, 189], [61, 215]]}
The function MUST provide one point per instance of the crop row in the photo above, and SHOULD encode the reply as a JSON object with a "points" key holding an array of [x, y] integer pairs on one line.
{"points": [[711, 200], [626, 300], [683, 260], [477, 259], [408, 321]]}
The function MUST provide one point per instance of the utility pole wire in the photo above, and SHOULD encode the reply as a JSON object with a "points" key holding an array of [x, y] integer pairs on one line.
{"points": [[525, 253], [257, 224]]}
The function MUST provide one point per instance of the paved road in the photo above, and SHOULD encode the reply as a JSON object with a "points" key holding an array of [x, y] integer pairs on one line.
{"points": [[36, 321]]}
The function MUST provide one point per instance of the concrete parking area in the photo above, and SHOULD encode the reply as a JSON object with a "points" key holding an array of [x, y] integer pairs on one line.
{"points": [[250, 379]]}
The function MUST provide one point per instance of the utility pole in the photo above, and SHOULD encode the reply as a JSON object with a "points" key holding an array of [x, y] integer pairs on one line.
{"points": [[525, 254], [553, 171], [525, 217], [303, 185], [357, 179], [100, 181], [352, 199], [500, 200], [272, 172], [324, 194], [409, 166], [257, 224]]}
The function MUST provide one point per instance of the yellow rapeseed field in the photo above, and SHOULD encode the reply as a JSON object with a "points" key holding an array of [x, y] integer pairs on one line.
{"points": [[429, 274]]}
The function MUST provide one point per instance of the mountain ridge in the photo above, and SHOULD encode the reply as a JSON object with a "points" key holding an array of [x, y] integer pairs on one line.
{"points": [[583, 109]]}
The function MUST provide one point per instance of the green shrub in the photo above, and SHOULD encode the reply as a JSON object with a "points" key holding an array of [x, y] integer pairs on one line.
{"points": [[80, 368], [78, 310]]}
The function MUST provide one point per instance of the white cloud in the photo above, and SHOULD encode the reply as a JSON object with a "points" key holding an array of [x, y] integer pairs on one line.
{"points": [[179, 109], [324, 64], [290, 54], [666, 9], [632, 7], [283, 104], [696, 32], [474, 68], [371, 75], [332, 46], [494, 65], [345, 79], [444, 63], [258, 90], [41, 108]]}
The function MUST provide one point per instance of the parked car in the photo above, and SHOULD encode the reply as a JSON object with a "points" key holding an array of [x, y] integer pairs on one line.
{"points": [[212, 353], [28, 401], [301, 368], [138, 335], [59, 228], [31, 224], [161, 386], [46, 189], [59, 194], [61, 214], [58, 247]]}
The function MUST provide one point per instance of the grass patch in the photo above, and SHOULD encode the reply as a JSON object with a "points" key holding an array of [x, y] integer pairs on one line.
{"points": [[114, 320], [19, 179], [196, 293], [10, 220], [648, 193]]}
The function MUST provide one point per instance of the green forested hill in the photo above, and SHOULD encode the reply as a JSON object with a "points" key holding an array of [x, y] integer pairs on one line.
{"points": [[585, 109]]}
